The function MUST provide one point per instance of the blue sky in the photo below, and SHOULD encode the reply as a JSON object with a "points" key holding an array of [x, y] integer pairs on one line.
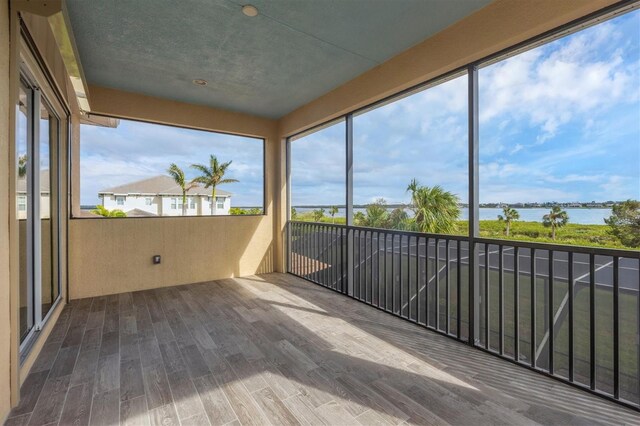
{"points": [[135, 150], [557, 123]]}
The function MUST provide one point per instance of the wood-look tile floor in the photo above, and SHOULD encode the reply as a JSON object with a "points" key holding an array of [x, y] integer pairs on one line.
{"points": [[274, 349]]}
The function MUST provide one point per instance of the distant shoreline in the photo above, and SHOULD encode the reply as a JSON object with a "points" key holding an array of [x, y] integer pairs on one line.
{"points": [[464, 206]]}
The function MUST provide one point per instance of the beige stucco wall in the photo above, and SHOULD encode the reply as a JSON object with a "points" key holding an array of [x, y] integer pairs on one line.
{"points": [[5, 287], [114, 255]]}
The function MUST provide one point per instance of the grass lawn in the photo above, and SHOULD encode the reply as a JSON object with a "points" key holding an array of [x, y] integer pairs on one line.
{"points": [[571, 234]]}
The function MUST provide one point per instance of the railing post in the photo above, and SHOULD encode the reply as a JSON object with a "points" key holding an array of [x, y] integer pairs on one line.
{"points": [[473, 207], [349, 200]]}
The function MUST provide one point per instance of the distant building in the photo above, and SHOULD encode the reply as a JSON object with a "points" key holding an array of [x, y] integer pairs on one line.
{"points": [[21, 194], [161, 196]]}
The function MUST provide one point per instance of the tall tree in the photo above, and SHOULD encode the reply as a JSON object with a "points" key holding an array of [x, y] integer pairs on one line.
{"points": [[435, 210], [376, 215], [212, 175], [178, 176], [318, 215], [625, 222], [22, 166], [333, 210], [399, 219], [508, 215], [556, 218]]}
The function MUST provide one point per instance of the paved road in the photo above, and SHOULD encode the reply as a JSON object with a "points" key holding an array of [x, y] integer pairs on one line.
{"points": [[629, 274]]}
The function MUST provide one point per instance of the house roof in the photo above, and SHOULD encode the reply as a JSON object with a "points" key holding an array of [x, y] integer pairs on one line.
{"points": [[139, 213], [158, 185], [44, 183]]}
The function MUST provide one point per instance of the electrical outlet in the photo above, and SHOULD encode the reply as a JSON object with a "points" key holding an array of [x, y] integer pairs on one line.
{"points": [[157, 259]]}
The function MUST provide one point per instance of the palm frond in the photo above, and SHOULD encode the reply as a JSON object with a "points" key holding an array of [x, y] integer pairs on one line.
{"points": [[177, 174], [202, 169], [201, 180], [227, 181]]}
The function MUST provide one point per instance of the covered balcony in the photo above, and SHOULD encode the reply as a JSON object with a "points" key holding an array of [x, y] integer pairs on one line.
{"points": [[219, 213]]}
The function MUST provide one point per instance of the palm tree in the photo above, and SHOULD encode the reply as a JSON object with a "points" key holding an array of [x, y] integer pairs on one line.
{"points": [[556, 218], [100, 210], [399, 219], [22, 166], [435, 210], [510, 214], [376, 215], [318, 215], [178, 176], [212, 175], [332, 211]]}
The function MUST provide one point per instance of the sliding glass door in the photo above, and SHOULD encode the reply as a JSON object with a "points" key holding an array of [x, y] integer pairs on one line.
{"points": [[38, 135]]}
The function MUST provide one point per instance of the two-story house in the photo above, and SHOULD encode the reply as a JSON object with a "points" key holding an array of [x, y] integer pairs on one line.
{"points": [[161, 196]]}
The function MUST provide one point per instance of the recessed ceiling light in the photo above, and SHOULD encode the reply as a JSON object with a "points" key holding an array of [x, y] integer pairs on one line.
{"points": [[249, 10], [200, 82]]}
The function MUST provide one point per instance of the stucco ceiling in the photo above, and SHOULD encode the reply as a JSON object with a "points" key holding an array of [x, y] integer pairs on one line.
{"points": [[291, 53]]}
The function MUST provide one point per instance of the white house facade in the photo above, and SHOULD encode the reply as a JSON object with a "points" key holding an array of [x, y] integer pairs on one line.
{"points": [[21, 194], [161, 196]]}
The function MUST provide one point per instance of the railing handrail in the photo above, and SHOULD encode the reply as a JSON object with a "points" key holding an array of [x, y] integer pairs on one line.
{"points": [[387, 231], [602, 251]]}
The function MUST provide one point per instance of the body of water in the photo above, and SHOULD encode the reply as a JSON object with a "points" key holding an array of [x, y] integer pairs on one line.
{"points": [[578, 216]]}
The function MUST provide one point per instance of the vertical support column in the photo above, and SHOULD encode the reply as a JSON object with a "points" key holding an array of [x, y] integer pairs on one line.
{"points": [[474, 230], [288, 203], [349, 199], [616, 327]]}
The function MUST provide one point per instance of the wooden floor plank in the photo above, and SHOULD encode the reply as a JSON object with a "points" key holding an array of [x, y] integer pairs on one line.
{"points": [[51, 401], [22, 420], [186, 399], [85, 368], [108, 374], [165, 415], [105, 408], [274, 409], [304, 411], [133, 412], [77, 406], [244, 405], [156, 386], [215, 402], [65, 361], [131, 382], [30, 392]]}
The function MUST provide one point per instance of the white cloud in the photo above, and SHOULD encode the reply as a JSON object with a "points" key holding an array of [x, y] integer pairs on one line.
{"points": [[554, 84], [519, 147]]}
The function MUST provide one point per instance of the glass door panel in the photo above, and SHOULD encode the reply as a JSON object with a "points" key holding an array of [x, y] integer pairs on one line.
{"points": [[23, 193], [37, 204], [48, 129]]}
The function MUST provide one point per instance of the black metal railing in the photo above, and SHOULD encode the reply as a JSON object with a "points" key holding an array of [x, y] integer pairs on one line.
{"points": [[572, 313], [318, 252]]}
